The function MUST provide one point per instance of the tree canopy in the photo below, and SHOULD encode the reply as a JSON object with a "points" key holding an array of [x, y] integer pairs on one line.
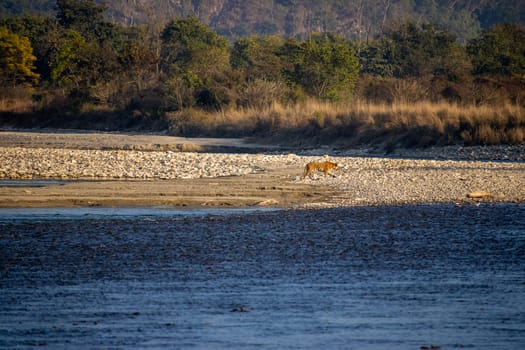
{"points": [[259, 57], [326, 66], [197, 58], [16, 59], [499, 50], [189, 45]]}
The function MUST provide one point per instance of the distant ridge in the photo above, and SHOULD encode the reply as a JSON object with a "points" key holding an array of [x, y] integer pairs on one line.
{"points": [[358, 19]]}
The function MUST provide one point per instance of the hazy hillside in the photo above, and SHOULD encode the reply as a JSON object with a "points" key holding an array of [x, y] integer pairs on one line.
{"points": [[358, 19]]}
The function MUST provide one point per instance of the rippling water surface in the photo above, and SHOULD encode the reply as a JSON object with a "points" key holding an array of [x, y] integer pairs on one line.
{"points": [[402, 277]]}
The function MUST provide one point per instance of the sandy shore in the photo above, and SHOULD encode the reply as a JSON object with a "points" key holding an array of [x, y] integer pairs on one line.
{"points": [[149, 170]]}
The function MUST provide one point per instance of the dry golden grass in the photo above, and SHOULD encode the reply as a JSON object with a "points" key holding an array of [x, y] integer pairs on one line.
{"points": [[399, 124], [312, 122], [16, 99]]}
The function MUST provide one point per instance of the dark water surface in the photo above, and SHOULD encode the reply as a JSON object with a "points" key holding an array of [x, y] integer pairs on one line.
{"points": [[398, 277]]}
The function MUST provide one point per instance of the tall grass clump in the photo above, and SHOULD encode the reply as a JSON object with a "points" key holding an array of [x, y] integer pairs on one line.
{"points": [[425, 124], [398, 124], [16, 99]]}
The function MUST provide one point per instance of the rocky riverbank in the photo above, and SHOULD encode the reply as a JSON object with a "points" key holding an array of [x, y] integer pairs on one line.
{"points": [[238, 179], [376, 181]]}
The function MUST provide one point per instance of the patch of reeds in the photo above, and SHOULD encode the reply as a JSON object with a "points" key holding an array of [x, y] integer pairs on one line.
{"points": [[16, 100], [398, 124]]}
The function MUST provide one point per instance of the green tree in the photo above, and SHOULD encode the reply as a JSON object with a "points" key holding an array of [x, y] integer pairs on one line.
{"points": [[199, 58], [16, 59], [79, 64], [43, 33], [259, 57], [499, 50], [325, 65], [85, 16], [374, 58], [138, 59], [411, 51], [188, 45], [87, 56], [260, 60], [71, 64]]}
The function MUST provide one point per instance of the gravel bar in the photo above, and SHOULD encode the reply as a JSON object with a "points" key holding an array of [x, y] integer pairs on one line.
{"points": [[359, 180]]}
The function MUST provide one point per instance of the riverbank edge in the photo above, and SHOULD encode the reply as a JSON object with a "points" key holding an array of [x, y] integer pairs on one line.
{"points": [[271, 179]]}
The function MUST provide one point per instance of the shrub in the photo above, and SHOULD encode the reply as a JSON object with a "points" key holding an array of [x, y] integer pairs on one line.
{"points": [[260, 93]]}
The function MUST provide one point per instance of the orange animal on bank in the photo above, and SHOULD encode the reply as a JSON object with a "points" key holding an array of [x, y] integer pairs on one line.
{"points": [[321, 166]]}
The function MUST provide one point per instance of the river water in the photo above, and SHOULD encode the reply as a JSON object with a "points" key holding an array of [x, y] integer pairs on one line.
{"points": [[396, 277]]}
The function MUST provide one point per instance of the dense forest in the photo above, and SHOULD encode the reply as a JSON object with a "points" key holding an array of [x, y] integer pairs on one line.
{"points": [[339, 72]]}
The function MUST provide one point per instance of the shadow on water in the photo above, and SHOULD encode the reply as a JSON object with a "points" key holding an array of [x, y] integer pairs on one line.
{"points": [[400, 277], [31, 183], [10, 215]]}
